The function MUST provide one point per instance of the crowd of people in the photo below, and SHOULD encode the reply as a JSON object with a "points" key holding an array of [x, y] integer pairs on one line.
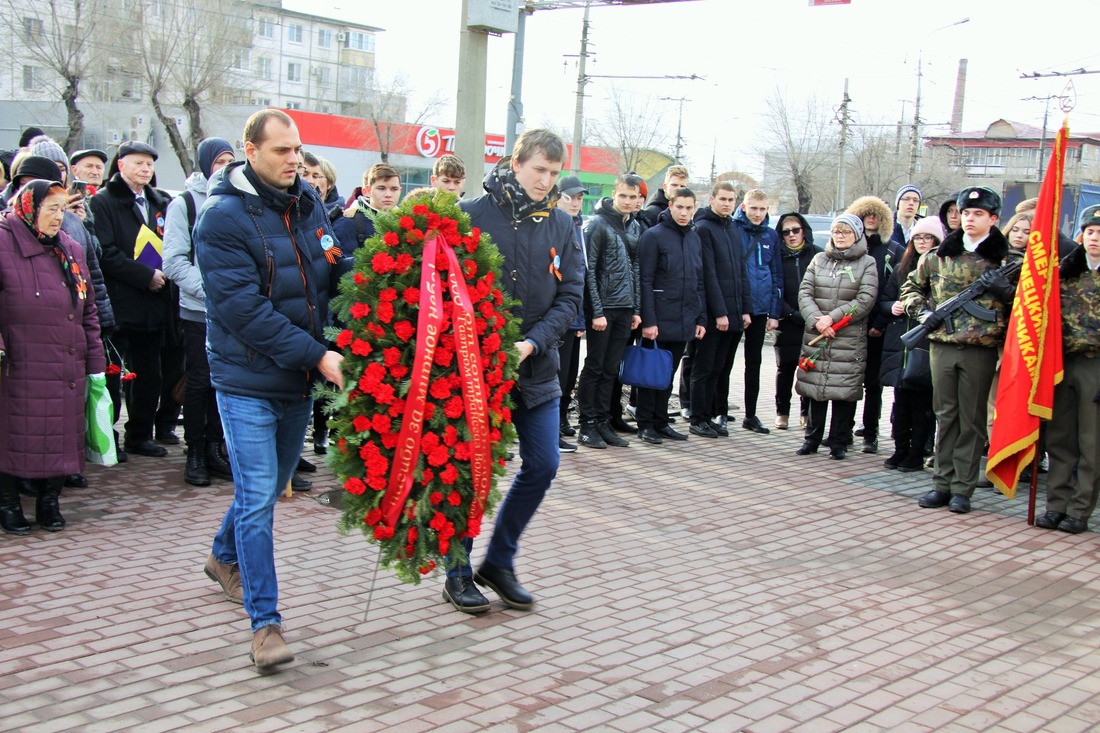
{"points": [[213, 304]]}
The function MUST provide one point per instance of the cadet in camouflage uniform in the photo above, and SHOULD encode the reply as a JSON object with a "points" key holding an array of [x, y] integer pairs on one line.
{"points": [[1073, 441], [964, 359]]}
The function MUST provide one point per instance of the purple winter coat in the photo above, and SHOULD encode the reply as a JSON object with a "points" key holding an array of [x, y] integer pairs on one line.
{"points": [[51, 346]]}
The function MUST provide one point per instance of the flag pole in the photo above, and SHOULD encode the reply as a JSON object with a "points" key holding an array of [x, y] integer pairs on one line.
{"points": [[1033, 493]]}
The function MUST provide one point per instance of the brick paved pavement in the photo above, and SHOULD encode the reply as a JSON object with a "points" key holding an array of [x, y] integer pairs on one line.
{"points": [[716, 585]]}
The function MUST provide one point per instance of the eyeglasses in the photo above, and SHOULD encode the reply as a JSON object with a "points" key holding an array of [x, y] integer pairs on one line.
{"points": [[567, 199], [923, 238], [842, 233], [789, 232], [910, 199]]}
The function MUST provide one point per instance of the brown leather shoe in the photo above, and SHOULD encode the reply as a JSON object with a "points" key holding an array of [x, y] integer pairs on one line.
{"points": [[228, 577], [268, 649]]}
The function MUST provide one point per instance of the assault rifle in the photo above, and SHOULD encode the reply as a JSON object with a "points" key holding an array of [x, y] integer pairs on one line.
{"points": [[964, 301]]}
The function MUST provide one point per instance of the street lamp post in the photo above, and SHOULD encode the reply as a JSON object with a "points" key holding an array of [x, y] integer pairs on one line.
{"points": [[915, 141]]}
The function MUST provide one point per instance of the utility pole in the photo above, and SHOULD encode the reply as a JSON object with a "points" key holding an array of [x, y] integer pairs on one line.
{"points": [[844, 120], [582, 79], [515, 100], [473, 66], [915, 143], [714, 162], [679, 125]]}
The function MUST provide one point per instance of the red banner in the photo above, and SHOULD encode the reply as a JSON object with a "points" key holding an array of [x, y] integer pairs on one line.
{"points": [[1032, 361]]}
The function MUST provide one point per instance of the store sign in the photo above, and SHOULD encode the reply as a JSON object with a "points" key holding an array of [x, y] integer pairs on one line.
{"points": [[435, 142]]}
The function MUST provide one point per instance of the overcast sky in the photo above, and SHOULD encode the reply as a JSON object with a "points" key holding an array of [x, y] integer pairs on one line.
{"points": [[748, 49]]}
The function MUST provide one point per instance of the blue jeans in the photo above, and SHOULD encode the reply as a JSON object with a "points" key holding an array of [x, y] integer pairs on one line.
{"points": [[265, 440], [539, 457]]}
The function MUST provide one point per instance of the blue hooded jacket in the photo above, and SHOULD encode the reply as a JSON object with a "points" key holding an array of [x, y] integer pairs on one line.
{"points": [[764, 264]]}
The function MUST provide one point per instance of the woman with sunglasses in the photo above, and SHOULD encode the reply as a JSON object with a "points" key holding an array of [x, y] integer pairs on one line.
{"points": [[797, 252], [912, 417], [836, 298]]}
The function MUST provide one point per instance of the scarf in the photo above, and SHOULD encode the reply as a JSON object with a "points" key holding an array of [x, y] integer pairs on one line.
{"points": [[513, 194], [26, 205]]}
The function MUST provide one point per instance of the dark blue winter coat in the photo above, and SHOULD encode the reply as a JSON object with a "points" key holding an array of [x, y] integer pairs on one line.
{"points": [[725, 278], [672, 279], [579, 324], [548, 303], [267, 285], [763, 263], [353, 227]]}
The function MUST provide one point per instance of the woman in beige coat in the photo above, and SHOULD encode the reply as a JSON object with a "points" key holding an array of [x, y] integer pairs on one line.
{"points": [[836, 297]]}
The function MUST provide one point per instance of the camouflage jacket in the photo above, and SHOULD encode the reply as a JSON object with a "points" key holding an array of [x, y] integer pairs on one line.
{"points": [[1080, 305], [945, 272]]}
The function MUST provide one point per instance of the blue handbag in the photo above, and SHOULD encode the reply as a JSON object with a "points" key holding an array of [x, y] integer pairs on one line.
{"points": [[646, 367]]}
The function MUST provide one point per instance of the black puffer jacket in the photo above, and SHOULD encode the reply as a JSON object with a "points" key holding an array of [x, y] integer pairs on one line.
{"points": [[658, 203], [725, 279], [611, 280], [117, 226], [794, 269], [893, 350], [548, 304]]}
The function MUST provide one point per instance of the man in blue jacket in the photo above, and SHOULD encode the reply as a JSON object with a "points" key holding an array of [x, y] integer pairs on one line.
{"points": [[260, 241], [542, 270], [764, 266]]}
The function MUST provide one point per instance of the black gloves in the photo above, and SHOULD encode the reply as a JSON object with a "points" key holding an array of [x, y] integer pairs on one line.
{"points": [[997, 285]]}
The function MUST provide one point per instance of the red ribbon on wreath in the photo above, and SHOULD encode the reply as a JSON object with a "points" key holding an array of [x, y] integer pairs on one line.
{"points": [[468, 354]]}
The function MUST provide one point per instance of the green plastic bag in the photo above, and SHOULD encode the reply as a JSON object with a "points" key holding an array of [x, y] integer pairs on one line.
{"points": [[99, 437]]}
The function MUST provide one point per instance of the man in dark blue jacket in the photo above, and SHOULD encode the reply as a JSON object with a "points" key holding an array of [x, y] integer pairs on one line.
{"points": [[260, 241], [729, 309], [673, 312], [612, 307], [765, 272], [542, 270]]}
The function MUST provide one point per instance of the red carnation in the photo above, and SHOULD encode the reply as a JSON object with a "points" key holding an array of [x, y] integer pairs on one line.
{"points": [[404, 262], [462, 451], [406, 222], [404, 330], [361, 423], [429, 410], [469, 268], [425, 569], [344, 338], [113, 369], [454, 408], [382, 263], [454, 498], [420, 210], [439, 520], [359, 310], [382, 532], [434, 498], [427, 476], [389, 440], [398, 371], [391, 355], [359, 278], [413, 533], [384, 312], [390, 239], [388, 294], [450, 435], [411, 296], [414, 236], [355, 486], [440, 389], [443, 356], [374, 516], [449, 475], [439, 456], [429, 441], [359, 347], [376, 330]]}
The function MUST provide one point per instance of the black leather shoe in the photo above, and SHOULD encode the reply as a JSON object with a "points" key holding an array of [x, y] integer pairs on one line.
{"points": [[1073, 525], [911, 464], [567, 430], [1050, 520], [464, 595], [320, 441], [649, 435], [667, 432], [168, 437], [610, 436], [859, 432], [305, 466], [590, 436], [621, 426], [297, 483], [217, 465], [195, 473], [504, 584], [566, 447], [837, 453], [76, 481], [47, 511], [893, 461], [934, 500], [870, 445], [719, 428], [753, 423], [959, 504], [147, 448], [723, 424], [807, 448], [703, 430]]}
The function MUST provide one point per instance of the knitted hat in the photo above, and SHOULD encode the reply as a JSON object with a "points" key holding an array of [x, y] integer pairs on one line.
{"points": [[29, 134], [1090, 217], [979, 197], [209, 150], [928, 225], [852, 221], [904, 190], [44, 147]]}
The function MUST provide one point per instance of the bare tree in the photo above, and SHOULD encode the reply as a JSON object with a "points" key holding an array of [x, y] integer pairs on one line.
{"points": [[185, 51], [632, 125], [880, 165], [383, 108], [69, 37], [805, 143]]}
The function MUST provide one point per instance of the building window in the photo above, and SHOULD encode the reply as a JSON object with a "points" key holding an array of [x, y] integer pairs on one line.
{"points": [[294, 33], [263, 67], [264, 101], [240, 59], [360, 76], [324, 75], [32, 29], [360, 41], [293, 105], [293, 72], [324, 38], [265, 28], [30, 79]]}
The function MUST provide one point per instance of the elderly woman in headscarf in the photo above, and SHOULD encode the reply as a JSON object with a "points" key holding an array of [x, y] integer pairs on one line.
{"points": [[49, 342], [836, 297]]}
